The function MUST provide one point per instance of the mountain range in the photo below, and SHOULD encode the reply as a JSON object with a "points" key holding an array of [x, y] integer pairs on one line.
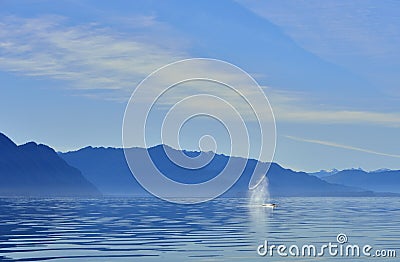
{"points": [[37, 170], [378, 181], [106, 168]]}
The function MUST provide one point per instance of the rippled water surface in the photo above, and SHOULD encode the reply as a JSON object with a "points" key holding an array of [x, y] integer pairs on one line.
{"points": [[129, 229]]}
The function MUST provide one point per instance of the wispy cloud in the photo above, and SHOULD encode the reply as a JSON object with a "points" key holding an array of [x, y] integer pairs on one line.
{"points": [[336, 28], [287, 106], [297, 114], [294, 107], [100, 62], [332, 144], [89, 56], [360, 36]]}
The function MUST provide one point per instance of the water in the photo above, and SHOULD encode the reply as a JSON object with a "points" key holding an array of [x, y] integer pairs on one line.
{"points": [[128, 229]]}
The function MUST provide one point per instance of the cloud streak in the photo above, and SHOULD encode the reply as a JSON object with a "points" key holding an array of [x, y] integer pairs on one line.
{"points": [[336, 28], [89, 56], [294, 107], [332, 144], [297, 114], [98, 62]]}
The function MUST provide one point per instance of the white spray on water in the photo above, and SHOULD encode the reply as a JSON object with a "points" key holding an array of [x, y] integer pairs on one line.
{"points": [[260, 194], [259, 215]]}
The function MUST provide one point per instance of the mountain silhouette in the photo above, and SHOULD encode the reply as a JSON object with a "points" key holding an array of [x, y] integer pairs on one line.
{"points": [[37, 170], [107, 169], [379, 181]]}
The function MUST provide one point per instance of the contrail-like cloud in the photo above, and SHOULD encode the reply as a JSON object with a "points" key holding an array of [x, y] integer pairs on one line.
{"points": [[327, 143]]}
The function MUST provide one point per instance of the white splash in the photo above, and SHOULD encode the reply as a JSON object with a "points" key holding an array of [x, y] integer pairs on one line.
{"points": [[260, 194], [259, 215]]}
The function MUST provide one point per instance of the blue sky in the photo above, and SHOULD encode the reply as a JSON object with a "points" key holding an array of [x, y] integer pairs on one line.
{"points": [[329, 68]]}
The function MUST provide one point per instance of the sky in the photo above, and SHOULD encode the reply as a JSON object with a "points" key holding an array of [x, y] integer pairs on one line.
{"points": [[328, 68]]}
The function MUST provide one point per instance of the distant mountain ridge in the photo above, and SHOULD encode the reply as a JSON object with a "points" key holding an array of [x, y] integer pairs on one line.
{"points": [[324, 173], [379, 180], [107, 169], [37, 170]]}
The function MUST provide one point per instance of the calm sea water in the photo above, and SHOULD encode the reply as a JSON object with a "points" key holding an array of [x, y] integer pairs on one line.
{"points": [[129, 229]]}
